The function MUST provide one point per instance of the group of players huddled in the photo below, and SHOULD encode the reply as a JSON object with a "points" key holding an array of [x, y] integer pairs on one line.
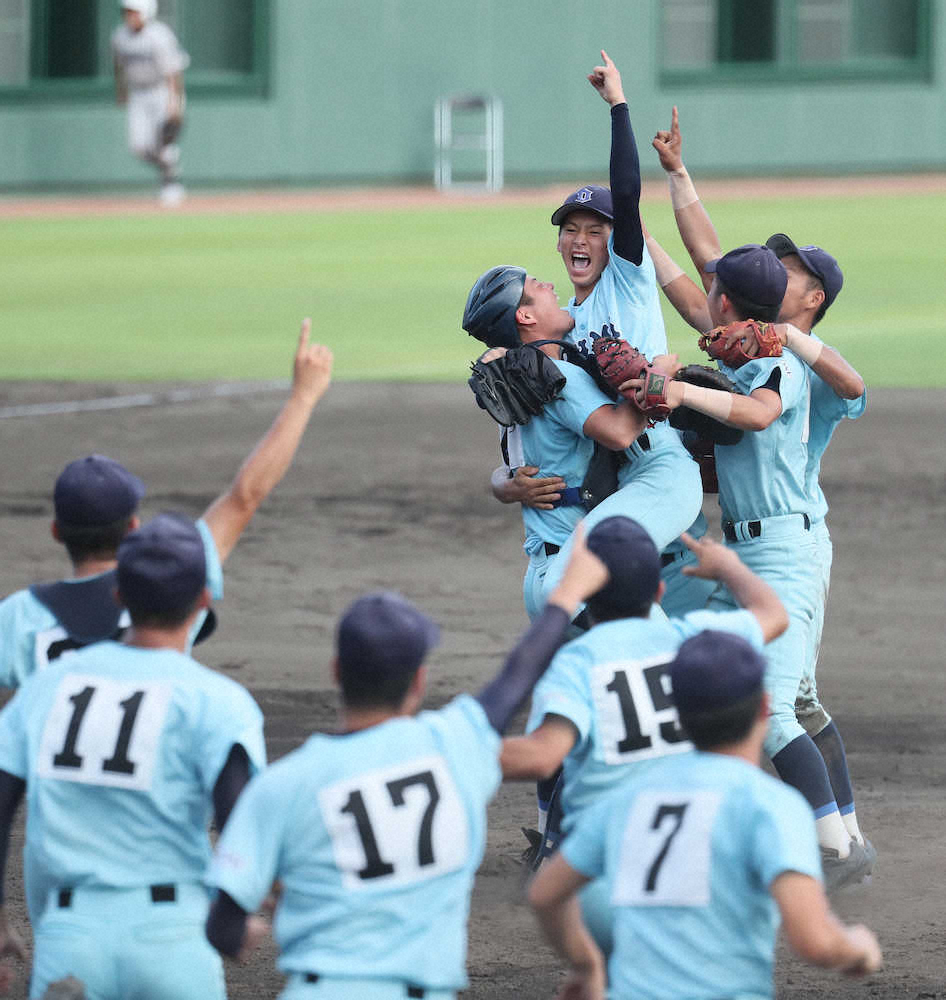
{"points": [[661, 665]]}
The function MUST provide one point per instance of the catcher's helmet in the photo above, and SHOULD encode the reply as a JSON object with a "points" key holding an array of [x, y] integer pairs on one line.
{"points": [[490, 313], [148, 9]]}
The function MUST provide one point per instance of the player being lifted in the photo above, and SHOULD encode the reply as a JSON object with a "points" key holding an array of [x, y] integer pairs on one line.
{"points": [[149, 64], [836, 392]]}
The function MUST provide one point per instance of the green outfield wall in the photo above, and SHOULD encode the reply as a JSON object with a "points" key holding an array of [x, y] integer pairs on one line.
{"points": [[343, 91]]}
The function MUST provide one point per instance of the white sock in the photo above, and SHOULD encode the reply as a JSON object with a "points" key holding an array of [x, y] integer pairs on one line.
{"points": [[543, 819], [833, 833], [850, 824]]}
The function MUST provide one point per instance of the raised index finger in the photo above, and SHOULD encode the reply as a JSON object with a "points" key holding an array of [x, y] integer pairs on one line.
{"points": [[674, 122], [304, 333], [606, 58]]}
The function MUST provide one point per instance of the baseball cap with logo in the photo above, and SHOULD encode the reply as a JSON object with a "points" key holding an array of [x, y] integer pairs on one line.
{"points": [[95, 491], [753, 272], [383, 633], [161, 566], [591, 198], [714, 669], [821, 264], [633, 564]]}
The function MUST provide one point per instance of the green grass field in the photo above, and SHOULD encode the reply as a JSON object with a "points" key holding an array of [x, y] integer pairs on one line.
{"points": [[200, 297]]}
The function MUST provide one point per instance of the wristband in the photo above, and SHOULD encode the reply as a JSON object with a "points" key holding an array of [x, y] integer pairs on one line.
{"points": [[803, 346], [682, 191], [712, 402], [665, 266]]}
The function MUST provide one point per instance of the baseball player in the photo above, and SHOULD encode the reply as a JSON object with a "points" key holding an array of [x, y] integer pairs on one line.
{"points": [[702, 854], [375, 832], [837, 392], [601, 241], [763, 494], [149, 63], [602, 710], [96, 502], [125, 751]]}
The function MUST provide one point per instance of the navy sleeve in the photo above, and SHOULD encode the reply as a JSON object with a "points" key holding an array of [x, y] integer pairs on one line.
{"points": [[504, 694], [232, 780], [226, 925], [11, 791], [626, 187]]}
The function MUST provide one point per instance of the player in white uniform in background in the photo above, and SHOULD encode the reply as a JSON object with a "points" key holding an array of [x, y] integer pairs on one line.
{"points": [[702, 854], [125, 751], [149, 63], [375, 832]]}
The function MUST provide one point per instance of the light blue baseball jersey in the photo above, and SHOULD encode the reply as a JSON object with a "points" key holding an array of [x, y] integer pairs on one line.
{"points": [[690, 850], [31, 636], [613, 685], [828, 409], [764, 475], [375, 836], [554, 441], [120, 749]]}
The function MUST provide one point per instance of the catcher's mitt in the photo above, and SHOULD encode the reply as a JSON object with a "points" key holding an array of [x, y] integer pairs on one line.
{"points": [[708, 428], [170, 130], [756, 340], [619, 361], [515, 387]]}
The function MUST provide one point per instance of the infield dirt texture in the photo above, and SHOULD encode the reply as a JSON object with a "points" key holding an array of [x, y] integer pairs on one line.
{"points": [[390, 490]]}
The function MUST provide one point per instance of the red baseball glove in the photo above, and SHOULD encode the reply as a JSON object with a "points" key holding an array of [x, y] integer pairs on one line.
{"points": [[737, 343], [618, 361]]}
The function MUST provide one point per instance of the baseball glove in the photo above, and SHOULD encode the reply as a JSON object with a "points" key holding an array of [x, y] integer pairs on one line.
{"points": [[170, 130], [704, 427], [515, 387], [618, 361], [757, 340]]}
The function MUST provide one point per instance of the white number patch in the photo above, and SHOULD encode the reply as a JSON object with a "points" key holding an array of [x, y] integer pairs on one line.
{"points": [[104, 732], [666, 851], [396, 825]]}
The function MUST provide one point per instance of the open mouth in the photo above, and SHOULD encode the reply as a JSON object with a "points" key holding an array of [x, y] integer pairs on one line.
{"points": [[580, 262]]}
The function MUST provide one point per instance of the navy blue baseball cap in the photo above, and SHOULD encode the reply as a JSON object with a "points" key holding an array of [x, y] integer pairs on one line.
{"points": [[714, 669], [383, 633], [752, 272], [162, 566], [632, 559], [590, 198], [94, 491], [821, 264]]}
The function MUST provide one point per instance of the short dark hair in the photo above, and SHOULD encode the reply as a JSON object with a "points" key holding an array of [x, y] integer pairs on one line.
{"points": [[146, 617], [367, 689], [604, 607], [721, 726], [746, 308], [93, 541]]}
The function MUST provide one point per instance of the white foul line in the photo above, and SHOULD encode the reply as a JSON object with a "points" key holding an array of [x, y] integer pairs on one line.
{"points": [[143, 399]]}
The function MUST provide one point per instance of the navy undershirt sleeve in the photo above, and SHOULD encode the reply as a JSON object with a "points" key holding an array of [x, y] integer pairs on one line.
{"points": [[226, 925], [504, 694], [626, 187], [232, 779], [11, 791]]}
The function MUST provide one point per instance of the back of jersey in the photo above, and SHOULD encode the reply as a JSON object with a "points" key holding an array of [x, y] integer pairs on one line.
{"points": [[375, 836], [120, 748]]}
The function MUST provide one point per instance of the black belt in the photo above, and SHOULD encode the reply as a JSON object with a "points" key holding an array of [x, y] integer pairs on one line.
{"points": [[159, 894], [551, 549], [666, 558], [754, 528], [415, 992]]}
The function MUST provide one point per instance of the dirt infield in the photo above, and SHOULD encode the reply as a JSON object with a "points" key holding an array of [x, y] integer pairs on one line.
{"points": [[390, 491], [328, 199]]}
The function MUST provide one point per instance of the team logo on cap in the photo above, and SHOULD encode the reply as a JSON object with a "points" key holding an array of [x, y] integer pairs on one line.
{"points": [[585, 194]]}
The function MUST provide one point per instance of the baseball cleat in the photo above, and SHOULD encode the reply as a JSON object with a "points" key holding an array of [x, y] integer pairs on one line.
{"points": [[172, 194], [530, 856], [839, 872]]}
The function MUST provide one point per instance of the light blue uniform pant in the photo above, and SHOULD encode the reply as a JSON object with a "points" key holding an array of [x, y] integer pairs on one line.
{"points": [[353, 989], [808, 708], [123, 946], [786, 557], [663, 493]]}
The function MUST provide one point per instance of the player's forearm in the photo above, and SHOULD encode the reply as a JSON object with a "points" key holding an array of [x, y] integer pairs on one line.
{"points": [[226, 925], [757, 597], [561, 924], [616, 426], [698, 234], [503, 696], [230, 513], [824, 361], [524, 758], [749, 413], [626, 187]]}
